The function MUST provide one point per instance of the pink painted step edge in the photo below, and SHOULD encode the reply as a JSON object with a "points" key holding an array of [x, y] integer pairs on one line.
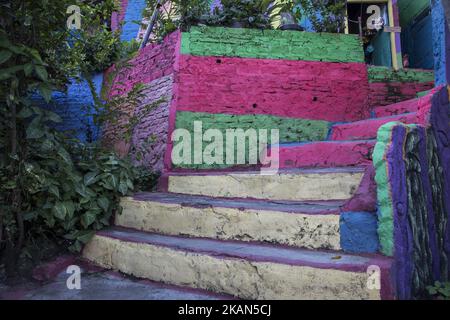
{"points": [[325, 154], [407, 106], [367, 129]]}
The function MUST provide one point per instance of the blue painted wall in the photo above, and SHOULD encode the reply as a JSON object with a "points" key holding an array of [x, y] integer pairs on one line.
{"points": [[382, 55], [76, 109], [417, 41], [441, 43], [133, 15], [76, 105], [359, 232]]}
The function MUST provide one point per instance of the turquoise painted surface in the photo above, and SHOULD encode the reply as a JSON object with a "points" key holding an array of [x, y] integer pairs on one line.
{"points": [[382, 55], [384, 196], [409, 9], [417, 42]]}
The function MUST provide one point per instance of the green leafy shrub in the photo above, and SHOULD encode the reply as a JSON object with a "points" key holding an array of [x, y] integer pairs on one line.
{"points": [[243, 13], [233, 13], [325, 15], [440, 290], [95, 46], [70, 188], [54, 190], [178, 14]]}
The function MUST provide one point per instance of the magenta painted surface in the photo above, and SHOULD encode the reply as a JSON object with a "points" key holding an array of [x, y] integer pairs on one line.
{"points": [[153, 67], [425, 106], [153, 62], [365, 198], [383, 94], [397, 108], [297, 89], [325, 154], [367, 129], [172, 112]]}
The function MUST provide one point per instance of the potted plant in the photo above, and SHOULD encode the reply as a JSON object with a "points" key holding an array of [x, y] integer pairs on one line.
{"points": [[288, 22]]}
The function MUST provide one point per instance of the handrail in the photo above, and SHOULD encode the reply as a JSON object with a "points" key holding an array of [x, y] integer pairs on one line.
{"points": [[151, 25]]}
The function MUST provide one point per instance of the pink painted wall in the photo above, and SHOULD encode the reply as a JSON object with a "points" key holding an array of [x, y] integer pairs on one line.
{"points": [[154, 67], [298, 89], [367, 129], [386, 93], [397, 108], [153, 62], [151, 133], [325, 154]]}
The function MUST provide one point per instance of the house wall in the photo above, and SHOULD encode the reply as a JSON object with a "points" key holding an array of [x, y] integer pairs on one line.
{"points": [[410, 9]]}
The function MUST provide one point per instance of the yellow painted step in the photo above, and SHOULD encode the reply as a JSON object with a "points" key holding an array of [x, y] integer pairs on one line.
{"points": [[245, 270], [294, 185], [311, 225]]}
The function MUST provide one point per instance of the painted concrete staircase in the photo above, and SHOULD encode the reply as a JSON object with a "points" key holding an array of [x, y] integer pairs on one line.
{"points": [[299, 234]]}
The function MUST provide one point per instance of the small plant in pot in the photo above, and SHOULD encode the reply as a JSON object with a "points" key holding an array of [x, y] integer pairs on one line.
{"points": [[244, 14], [288, 22]]}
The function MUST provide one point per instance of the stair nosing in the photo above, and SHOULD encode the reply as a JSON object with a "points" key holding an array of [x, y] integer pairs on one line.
{"points": [[315, 207], [373, 120], [337, 170], [363, 261], [299, 144]]}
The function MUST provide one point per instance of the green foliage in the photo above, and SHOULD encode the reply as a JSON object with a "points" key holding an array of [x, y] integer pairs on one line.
{"points": [[182, 14], [67, 188], [95, 45], [440, 290], [52, 187], [325, 15], [178, 14], [145, 179], [243, 13]]}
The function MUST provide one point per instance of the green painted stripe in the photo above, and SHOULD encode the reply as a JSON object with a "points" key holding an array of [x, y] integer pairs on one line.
{"points": [[385, 216], [383, 74], [272, 44], [423, 93], [291, 130]]}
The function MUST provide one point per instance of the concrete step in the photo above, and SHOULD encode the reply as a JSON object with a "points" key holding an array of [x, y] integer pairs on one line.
{"points": [[313, 225], [245, 270], [367, 129], [292, 185], [324, 154], [399, 108]]}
